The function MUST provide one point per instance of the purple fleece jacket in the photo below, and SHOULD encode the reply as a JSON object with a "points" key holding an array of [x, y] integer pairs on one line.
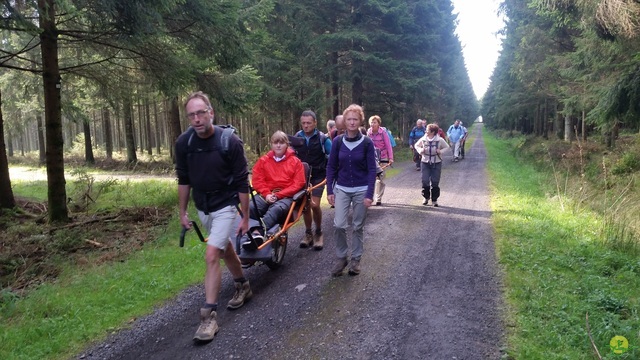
{"points": [[352, 167]]}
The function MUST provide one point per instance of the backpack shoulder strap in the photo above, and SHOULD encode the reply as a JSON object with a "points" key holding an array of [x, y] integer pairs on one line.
{"points": [[226, 132]]}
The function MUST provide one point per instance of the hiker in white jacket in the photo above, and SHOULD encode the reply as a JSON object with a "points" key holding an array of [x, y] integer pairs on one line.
{"points": [[430, 147]]}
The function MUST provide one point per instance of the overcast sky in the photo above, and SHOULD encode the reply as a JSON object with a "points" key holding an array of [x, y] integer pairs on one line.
{"points": [[478, 23]]}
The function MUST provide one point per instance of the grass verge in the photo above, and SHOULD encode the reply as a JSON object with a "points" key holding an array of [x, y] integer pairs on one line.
{"points": [[557, 269], [57, 320]]}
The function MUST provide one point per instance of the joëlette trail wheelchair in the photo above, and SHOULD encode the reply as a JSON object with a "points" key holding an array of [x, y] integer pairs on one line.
{"points": [[270, 252]]}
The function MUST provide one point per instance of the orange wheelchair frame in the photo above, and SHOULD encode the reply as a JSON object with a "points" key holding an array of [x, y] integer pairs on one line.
{"points": [[271, 252]]}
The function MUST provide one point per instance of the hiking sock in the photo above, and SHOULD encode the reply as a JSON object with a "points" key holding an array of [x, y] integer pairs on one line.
{"points": [[240, 280], [213, 307]]}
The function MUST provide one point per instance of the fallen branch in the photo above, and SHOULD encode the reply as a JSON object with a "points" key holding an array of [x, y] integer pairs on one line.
{"points": [[593, 344], [91, 221], [95, 243]]}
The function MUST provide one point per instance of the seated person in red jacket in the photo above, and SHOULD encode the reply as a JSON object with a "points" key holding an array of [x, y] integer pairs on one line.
{"points": [[276, 177]]}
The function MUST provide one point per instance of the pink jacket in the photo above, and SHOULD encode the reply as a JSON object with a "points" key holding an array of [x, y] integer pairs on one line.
{"points": [[381, 141]]}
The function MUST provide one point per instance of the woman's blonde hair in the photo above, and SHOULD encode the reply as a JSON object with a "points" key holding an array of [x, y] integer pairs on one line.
{"points": [[280, 136], [375, 118], [356, 109]]}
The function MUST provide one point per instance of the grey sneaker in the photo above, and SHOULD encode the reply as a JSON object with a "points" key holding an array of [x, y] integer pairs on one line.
{"points": [[318, 241], [306, 241], [243, 293], [208, 325], [340, 265], [354, 267]]}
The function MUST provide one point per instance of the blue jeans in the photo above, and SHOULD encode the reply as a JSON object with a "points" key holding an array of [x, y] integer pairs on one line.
{"points": [[344, 201]]}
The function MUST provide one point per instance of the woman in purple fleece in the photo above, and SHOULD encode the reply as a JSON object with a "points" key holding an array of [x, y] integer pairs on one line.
{"points": [[351, 178]]}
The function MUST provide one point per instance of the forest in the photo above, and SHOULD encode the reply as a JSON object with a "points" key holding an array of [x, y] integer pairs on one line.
{"points": [[567, 68], [111, 75]]}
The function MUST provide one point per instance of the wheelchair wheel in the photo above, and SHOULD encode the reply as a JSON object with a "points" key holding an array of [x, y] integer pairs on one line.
{"points": [[278, 249]]}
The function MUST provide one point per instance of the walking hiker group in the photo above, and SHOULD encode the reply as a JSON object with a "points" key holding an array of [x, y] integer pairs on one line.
{"points": [[212, 169]]}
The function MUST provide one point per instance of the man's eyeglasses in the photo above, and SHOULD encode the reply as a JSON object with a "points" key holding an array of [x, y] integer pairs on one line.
{"points": [[198, 113]]}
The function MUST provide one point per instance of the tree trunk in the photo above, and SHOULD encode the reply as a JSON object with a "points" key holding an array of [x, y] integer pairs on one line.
{"points": [[584, 128], [57, 193], [147, 113], [335, 89], [88, 148], [7, 201], [157, 127], [128, 131], [41, 145], [567, 128], [108, 140], [174, 122], [357, 88]]}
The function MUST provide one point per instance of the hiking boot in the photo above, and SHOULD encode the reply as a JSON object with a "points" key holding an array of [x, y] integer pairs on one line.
{"points": [[243, 293], [318, 241], [340, 265], [307, 240], [208, 325], [354, 267]]}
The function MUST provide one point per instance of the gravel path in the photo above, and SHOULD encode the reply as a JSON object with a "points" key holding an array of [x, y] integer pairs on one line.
{"points": [[429, 288]]}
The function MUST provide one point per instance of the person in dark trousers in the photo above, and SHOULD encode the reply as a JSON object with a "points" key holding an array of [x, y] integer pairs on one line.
{"points": [[314, 150], [430, 147], [351, 178], [416, 133], [463, 140], [218, 182]]}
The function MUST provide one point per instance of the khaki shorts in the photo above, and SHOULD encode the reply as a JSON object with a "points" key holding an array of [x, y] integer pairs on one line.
{"points": [[221, 225]]}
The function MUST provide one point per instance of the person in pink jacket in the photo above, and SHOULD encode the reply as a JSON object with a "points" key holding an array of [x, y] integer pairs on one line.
{"points": [[382, 143], [276, 177]]}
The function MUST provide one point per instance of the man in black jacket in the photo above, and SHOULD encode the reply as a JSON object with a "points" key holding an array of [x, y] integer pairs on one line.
{"points": [[217, 177]]}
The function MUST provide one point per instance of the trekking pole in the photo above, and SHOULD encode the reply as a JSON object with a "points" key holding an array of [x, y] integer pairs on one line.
{"points": [[196, 228]]}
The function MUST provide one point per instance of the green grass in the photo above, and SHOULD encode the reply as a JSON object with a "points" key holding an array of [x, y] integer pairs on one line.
{"points": [[557, 269], [57, 320]]}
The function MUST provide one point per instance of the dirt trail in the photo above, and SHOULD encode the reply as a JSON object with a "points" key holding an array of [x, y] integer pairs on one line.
{"points": [[429, 288]]}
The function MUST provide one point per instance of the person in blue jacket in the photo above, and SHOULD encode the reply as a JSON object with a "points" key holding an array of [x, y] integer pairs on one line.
{"points": [[416, 133], [455, 134]]}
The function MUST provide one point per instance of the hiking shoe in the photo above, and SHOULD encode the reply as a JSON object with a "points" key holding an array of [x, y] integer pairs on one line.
{"points": [[425, 202], [318, 241], [435, 203], [208, 325], [243, 293], [354, 267], [340, 265], [417, 169], [307, 240], [378, 203]]}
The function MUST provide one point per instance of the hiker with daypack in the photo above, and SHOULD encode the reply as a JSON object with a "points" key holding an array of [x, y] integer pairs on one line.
{"points": [[455, 134], [416, 133], [463, 140], [275, 177], [217, 177], [313, 148], [381, 142], [430, 147], [351, 178]]}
